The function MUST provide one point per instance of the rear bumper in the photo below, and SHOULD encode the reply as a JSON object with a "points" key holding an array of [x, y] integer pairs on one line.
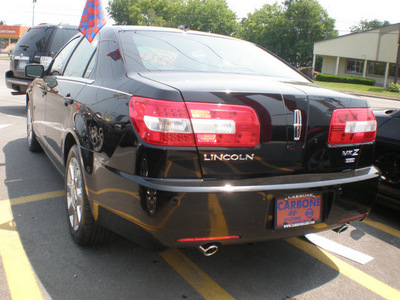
{"points": [[15, 83], [293, 182], [190, 211]]}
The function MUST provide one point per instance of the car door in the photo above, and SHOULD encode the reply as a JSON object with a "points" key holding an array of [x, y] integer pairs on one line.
{"points": [[60, 101], [52, 94], [37, 100]]}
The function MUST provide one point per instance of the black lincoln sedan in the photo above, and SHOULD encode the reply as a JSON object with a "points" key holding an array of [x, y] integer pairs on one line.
{"points": [[187, 139]]}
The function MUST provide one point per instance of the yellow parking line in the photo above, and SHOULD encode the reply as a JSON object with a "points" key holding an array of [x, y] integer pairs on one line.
{"points": [[217, 218], [347, 270], [23, 285], [20, 276], [34, 198], [199, 280], [382, 227]]}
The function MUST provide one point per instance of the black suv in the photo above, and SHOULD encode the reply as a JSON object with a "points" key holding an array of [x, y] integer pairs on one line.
{"points": [[39, 44]]}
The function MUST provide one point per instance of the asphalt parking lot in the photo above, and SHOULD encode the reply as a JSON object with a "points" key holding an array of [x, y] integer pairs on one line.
{"points": [[40, 261]]}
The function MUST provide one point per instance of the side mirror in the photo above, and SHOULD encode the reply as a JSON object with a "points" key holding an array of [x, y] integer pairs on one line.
{"points": [[34, 70]]}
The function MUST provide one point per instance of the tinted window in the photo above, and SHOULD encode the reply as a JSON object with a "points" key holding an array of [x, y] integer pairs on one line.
{"points": [[355, 66], [80, 59], [110, 61], [92, 64], [392, 69], [376, 68], [62, 58], [61, 36], [168, 51], [34, 39]]}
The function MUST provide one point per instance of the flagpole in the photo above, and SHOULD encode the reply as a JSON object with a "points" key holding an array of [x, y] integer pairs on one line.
{"points": [[33, 13]]}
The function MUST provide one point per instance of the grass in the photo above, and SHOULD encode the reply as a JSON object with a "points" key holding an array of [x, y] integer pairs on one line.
{"points": [[359, 88]]}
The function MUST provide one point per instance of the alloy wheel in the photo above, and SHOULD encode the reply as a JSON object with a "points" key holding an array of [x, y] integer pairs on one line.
{"points": [[29, 126], [74, 194]]}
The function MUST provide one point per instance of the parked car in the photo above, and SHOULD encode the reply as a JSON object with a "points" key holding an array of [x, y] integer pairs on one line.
{"points": [[387, 157], [168, 137], [39, 44]]}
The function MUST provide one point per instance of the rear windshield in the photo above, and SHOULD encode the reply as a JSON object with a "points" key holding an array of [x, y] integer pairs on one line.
{"points": [[169, 51], [61, 37], [34, 39]]}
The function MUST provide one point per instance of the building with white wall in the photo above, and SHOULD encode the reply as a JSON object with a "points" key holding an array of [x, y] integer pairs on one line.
{"points": [[369, 54]]}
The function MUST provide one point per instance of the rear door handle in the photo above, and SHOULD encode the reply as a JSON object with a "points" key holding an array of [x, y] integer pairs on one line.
{"points": [[68, 100], [44, 91]]}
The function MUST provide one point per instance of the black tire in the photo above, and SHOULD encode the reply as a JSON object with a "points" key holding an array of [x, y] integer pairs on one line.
{"points": [[33, 144], [82, 226], [389, 164]]}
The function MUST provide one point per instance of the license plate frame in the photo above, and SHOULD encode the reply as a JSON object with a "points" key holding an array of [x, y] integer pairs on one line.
{"points": [[297, 210]]}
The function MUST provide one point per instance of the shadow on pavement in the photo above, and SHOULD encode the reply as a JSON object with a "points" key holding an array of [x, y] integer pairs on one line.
{"points": [[17, 111], [384, 215], [122, 270]]}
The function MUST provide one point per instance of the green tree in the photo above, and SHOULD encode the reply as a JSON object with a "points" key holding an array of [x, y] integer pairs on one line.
{"points": [[208, 15], [153, 12], [144, 12], [290, 29], [2, 22], [263, 23], [367, 25], [119, 10], [205, 15]]}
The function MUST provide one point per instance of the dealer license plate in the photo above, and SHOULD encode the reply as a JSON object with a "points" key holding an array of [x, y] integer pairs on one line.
{"points": [[298, 210]]}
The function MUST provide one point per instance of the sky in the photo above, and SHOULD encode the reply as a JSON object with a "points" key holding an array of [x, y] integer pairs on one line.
{"points": [[347, 13]]}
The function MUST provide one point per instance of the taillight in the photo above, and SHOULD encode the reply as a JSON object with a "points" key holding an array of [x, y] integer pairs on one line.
{"points": [[159, 122], [352, 126], [224, 125], [172, 123]]}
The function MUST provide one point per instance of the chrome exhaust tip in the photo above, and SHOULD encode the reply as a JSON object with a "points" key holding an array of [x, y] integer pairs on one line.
{"points": [[341, 229], [208, 250]]}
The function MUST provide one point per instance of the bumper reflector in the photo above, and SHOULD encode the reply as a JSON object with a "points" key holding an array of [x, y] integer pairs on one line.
{"points": [[214, 238], [362, 216]]}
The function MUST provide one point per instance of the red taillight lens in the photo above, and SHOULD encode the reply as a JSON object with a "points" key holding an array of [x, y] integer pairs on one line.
{"points": [[352, 126], [172, 123], [159, 122], [224, 125]]}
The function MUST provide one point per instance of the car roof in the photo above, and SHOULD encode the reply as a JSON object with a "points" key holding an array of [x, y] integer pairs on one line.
{"points": [[164, 29], [60, 25]]}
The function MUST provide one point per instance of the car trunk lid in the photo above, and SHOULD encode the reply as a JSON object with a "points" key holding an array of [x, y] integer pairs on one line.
{"points": [[294, 120]]}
